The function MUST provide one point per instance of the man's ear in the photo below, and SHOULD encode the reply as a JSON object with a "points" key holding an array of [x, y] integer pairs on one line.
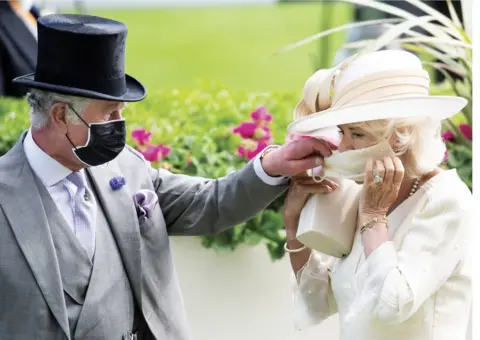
{"points": [[58, 117]]}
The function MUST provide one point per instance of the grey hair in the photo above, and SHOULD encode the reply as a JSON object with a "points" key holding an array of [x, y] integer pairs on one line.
{"points": [[42, 101], [418, 141]]}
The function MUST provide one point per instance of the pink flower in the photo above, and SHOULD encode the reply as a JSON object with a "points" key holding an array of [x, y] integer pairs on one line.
{"points": [[141, 136], [246, 129], [154, 153], [250, 130], [445, 157], [448, 136], [262, 133], [261, 114], [466, 130], [250, 149]]}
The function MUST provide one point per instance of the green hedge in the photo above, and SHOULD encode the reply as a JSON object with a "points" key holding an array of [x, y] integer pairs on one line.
{"points": [[197, 126]]}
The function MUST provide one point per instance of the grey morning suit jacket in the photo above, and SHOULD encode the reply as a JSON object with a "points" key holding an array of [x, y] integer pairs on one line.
{"points": [[32, 300]]}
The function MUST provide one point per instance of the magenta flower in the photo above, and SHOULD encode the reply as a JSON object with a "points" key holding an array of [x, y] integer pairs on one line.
{"points": [[466, 130], [250, 130], [262, 133], [246, 129], [141, 136], [251, 149], [448, 136], [261, 114], [154, 153]]}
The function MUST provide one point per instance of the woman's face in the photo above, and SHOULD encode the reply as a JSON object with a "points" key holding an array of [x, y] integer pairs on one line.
{"points": [[354, 138]]}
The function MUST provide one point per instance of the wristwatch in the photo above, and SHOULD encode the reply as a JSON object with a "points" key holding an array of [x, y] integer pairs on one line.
{"points": [[266, 151]]}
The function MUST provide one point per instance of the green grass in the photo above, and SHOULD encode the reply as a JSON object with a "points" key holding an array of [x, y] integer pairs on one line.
{"points": [[234, 46]]}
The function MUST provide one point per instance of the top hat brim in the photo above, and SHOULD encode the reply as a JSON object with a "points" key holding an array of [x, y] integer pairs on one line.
{"points": [[436, 107], [135, 90]]}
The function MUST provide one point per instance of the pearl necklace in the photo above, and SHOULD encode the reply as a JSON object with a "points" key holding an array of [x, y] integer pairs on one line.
{"points": [[414, 186]]}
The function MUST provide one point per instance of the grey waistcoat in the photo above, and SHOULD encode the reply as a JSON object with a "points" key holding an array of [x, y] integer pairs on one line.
{"points": [[98, 297]]}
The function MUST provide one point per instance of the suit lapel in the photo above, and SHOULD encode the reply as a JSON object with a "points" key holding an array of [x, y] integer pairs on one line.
{"points": [[23, 207], [121, 215]]}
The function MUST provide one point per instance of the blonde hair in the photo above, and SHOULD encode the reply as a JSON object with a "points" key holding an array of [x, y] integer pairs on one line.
{"points": [[416, 140]]}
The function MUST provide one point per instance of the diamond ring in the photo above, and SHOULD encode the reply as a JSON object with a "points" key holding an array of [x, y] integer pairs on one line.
{"points": [[377, 178]]}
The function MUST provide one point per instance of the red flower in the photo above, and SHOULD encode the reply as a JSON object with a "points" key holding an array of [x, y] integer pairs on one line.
{"points": [[250, 149], [154, 153], [448, 136], [466, 130], [261, 114], [141, 136]]}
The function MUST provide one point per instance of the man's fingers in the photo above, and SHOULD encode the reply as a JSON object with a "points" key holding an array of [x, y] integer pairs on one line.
{"points": [[302, 165], [309, 147]]}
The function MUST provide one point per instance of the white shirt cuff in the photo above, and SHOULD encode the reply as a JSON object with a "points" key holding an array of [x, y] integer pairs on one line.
{"points": [[257, 166]]}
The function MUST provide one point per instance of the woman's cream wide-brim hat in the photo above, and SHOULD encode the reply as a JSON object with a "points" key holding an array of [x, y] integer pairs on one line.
{"points": [[379, 85]]}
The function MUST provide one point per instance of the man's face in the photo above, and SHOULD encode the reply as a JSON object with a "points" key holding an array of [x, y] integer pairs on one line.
{"points": [[97, 111]]}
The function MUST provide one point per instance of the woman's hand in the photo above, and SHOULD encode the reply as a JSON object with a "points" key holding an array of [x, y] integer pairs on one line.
{"points": [[383, 179], [298, 194]]}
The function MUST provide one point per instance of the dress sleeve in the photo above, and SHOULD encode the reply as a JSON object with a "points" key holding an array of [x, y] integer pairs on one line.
{"points": [[313, 297], [400, 277]]}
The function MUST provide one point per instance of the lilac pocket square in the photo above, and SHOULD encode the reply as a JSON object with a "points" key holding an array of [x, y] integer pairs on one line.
{"points": [[145, 201]]}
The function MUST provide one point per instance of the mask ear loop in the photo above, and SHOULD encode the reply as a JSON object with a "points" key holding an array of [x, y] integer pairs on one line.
{"points": [[311, 170]]}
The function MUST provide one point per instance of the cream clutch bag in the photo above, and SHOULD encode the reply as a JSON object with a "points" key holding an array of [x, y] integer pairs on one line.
{"points": [[328, 222]]}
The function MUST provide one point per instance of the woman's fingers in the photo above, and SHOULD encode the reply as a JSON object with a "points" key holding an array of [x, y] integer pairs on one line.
{"points": [[316, 189], [379, 169], [312, 187], [369, 172], [399, 171], [311, 181], [389, 170]]}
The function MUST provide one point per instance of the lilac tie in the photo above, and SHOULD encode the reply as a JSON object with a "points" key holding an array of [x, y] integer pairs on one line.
{"points": [[84, 212]]}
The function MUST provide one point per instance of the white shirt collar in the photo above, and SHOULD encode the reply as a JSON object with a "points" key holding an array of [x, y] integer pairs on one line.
{"points": [[45, 167]]}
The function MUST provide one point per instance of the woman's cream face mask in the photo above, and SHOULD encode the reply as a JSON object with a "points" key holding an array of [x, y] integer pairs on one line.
{"points": [[350, 164]]}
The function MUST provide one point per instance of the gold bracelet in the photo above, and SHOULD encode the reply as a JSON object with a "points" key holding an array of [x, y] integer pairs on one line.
{"points": [[293, 250], [370, 224]]}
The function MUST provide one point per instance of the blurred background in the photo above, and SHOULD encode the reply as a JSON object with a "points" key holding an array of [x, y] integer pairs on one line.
{"points": [[223, 77]]}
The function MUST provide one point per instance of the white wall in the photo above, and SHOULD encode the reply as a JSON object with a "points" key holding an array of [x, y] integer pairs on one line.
{"points": [[240, 295]]}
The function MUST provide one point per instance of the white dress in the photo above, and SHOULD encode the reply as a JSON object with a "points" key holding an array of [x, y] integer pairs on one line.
{"points": [[417, 286]]}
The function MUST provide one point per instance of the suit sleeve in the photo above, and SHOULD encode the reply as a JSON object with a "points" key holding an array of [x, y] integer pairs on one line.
{"points": [[199, 206]]}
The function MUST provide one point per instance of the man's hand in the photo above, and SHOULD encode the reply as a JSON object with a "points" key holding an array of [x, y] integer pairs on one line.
{"points": [[296, 157]]}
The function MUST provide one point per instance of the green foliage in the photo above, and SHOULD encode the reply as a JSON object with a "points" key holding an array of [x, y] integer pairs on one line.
{"points": [[197, 125], [460, 158], [235, 45]]}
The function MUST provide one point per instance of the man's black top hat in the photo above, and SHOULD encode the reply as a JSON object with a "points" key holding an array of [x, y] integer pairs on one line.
{"points": [[84, 56]]}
